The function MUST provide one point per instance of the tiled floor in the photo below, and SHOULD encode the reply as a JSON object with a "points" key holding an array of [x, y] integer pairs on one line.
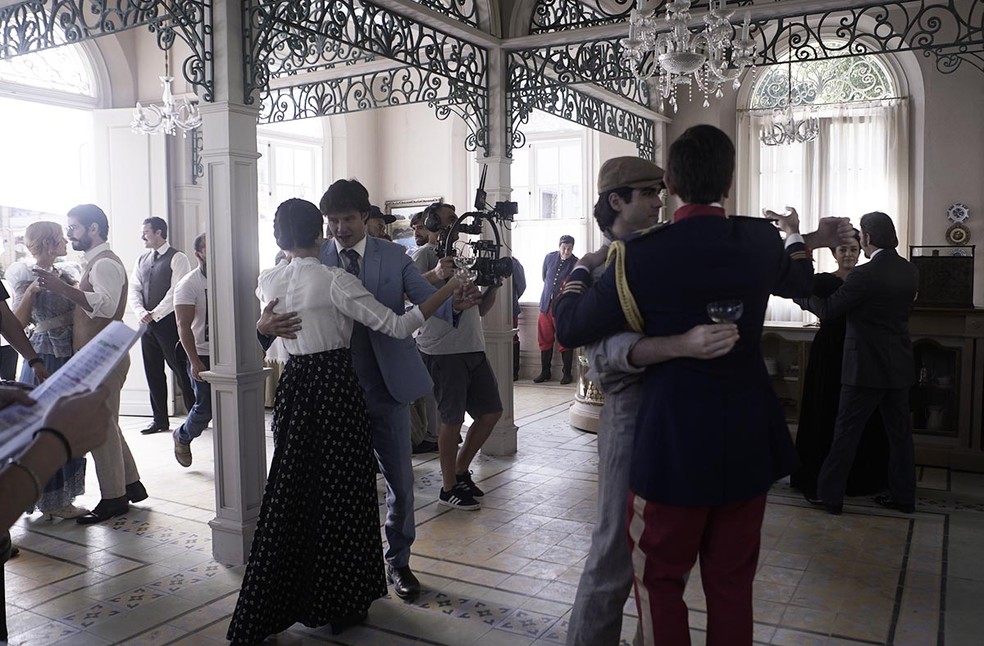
{"points": [[505, 575]]}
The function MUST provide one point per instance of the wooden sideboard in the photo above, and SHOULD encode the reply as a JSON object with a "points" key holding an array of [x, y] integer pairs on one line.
{"points": [[947, 401]]}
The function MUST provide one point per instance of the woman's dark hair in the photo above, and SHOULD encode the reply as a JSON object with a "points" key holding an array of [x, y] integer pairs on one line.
{"points": [[604, 214], [297, 224], [880, 230], [345, 195], [857, 238], [701, 165]]}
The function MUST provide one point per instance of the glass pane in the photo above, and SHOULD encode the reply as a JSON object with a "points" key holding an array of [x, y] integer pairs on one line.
{"points": [[547, 164], [62, 68], [571, 162]]}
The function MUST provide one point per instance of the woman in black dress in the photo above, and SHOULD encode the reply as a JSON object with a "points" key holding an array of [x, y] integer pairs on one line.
{"points": [[316, 556], [821, 398]]}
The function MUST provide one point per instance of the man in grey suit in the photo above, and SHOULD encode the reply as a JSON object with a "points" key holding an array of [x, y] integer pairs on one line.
{"points": [[390, 370], [878, 367]]}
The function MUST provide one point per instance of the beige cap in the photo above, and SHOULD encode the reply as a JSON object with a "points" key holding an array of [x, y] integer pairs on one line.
{"points": [[629, 172]]}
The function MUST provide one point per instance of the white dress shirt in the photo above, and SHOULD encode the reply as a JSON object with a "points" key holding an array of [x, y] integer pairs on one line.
{"points": [[359, 247], [327, 300], [107, 278], [180, 267]]}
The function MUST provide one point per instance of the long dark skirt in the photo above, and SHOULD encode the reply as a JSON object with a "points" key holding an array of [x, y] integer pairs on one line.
{"points": [[317, 552]]}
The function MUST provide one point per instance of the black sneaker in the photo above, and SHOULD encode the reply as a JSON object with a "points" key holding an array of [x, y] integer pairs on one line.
{"points": [[458, 498], [465, 479]]}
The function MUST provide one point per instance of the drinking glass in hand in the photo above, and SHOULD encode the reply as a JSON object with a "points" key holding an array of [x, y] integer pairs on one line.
{"points": [[726, 311]]}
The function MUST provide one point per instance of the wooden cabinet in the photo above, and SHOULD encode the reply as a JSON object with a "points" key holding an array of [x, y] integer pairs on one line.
{"points": [[947, 400]]}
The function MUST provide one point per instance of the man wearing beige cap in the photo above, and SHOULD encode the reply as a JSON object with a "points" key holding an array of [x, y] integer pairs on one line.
{"points": [[628, 202]]}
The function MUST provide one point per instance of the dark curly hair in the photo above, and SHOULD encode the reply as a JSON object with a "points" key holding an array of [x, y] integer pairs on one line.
{"points": [[297, 224]]}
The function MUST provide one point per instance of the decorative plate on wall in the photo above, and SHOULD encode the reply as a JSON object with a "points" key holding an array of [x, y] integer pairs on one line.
{"points": [[958, 234], [957, 213]]}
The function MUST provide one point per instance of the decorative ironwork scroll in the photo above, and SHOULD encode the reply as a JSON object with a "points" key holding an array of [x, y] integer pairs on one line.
{"points": [[597, 61], [197, 164], [951, 33], [567, 103], [285, 38], [565, 15], [41, 24], [465, 11], [387, 88]]}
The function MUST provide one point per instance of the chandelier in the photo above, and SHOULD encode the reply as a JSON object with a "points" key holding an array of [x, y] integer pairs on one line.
{"points": [[708, 57], [782, 127], [171, 115]]}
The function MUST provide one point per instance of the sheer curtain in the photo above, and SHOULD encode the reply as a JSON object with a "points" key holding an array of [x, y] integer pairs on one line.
{"points": [[859, 163]]}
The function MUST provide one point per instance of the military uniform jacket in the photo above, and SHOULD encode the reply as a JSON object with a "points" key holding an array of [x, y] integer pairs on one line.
{"points": [[708, 432]]}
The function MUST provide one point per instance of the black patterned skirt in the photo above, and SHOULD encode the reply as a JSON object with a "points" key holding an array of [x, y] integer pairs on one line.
{"points": [[317, 552]]}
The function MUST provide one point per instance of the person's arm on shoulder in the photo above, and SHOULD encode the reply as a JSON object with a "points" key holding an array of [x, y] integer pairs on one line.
{"points": [[586, 313], [349, 295], [418, 290]]}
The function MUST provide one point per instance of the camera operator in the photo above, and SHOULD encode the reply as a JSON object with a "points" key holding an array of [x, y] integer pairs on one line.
{"points": [[427, 258], [463, 379]]}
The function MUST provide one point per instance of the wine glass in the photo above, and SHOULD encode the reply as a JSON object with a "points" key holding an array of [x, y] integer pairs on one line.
{"points": [[725, 311]]}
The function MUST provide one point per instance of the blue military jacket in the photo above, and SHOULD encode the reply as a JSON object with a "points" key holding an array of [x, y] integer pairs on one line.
{"points": [[709, 432]]}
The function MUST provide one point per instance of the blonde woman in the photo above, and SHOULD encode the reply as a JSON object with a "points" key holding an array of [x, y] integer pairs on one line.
{"points": [[50, 316]]}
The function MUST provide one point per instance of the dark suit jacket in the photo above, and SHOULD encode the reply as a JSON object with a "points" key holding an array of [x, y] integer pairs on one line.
{"points": [[389, 273], [708, 432], [876, 297]]}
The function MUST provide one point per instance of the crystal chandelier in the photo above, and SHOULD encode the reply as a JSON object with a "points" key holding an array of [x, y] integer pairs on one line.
{"points": [[170, 116], [782, 127], [709, 56]]}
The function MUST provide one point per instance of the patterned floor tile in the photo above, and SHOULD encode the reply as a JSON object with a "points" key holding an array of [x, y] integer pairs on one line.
{"points": [[92, 615], [137, 597], [44, 634], [526, 623], [175, 582], [488, 613]]}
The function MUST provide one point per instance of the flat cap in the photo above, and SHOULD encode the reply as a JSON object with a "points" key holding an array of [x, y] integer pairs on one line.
{"points": [[629, 172]]}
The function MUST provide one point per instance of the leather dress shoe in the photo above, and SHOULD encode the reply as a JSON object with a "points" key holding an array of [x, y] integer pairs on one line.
{"points": [[106, 509], [154, 427], [832, 509], [425, 446], [405, 584], [887, 501], [135, 491]]}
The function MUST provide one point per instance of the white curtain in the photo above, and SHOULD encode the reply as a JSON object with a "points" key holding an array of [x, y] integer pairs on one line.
{"points": [[859, 163]]}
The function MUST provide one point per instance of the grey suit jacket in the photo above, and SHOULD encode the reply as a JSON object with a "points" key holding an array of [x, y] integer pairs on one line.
{"points": [[877, 299], [388, 273]]}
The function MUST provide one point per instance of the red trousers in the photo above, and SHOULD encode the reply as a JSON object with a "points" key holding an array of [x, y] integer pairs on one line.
{"points": [[546, 331], [665, 541]]}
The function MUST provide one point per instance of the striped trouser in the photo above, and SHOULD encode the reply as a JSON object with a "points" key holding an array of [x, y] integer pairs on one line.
{"points": [[665, 541]]}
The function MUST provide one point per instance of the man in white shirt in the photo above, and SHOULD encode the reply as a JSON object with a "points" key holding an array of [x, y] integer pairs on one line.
{"points": [[152, 283], [191, 312], [100, 298]]}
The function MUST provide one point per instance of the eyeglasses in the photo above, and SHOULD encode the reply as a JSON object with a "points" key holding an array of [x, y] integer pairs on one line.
{"points": [[73, 227]]}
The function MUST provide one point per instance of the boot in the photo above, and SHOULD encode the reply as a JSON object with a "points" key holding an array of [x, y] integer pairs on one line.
{"points": [[546, 356], [515, 362], [568, 358]]}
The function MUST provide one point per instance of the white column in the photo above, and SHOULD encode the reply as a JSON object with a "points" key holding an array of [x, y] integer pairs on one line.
{"points": [[498, 322], [236, 376]]}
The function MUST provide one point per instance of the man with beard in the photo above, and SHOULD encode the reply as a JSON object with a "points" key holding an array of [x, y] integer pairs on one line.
{"points": [[100, 298], [191, 311]]}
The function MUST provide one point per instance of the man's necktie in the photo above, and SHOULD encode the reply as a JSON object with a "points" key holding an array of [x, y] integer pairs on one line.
{"points": [[351, 258], [156, 256]]}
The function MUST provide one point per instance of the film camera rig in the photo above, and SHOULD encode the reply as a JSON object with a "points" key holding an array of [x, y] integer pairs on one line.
{"points": [[486, 260]]}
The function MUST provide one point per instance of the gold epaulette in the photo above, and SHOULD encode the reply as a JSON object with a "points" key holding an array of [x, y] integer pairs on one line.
{"points": [[616, 254]]}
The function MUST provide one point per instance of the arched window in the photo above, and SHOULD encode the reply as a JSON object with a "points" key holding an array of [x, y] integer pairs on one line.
{"points": [[46, 104], [858, 163]]}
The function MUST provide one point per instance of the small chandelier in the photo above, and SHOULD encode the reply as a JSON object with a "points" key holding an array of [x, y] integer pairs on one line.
{"points": [[170, 116], [782, 128], [709, 56]]}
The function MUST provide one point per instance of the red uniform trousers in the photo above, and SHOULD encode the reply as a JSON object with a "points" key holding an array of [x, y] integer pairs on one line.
{"points": [[665, 541], [546, 331]]}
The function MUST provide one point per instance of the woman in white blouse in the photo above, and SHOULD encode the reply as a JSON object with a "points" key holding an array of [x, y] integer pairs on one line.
{"points": [[316, 556]]}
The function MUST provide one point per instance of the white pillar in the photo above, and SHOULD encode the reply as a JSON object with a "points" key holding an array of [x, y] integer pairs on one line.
{"points": [[498, 322], [236, 376]]}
